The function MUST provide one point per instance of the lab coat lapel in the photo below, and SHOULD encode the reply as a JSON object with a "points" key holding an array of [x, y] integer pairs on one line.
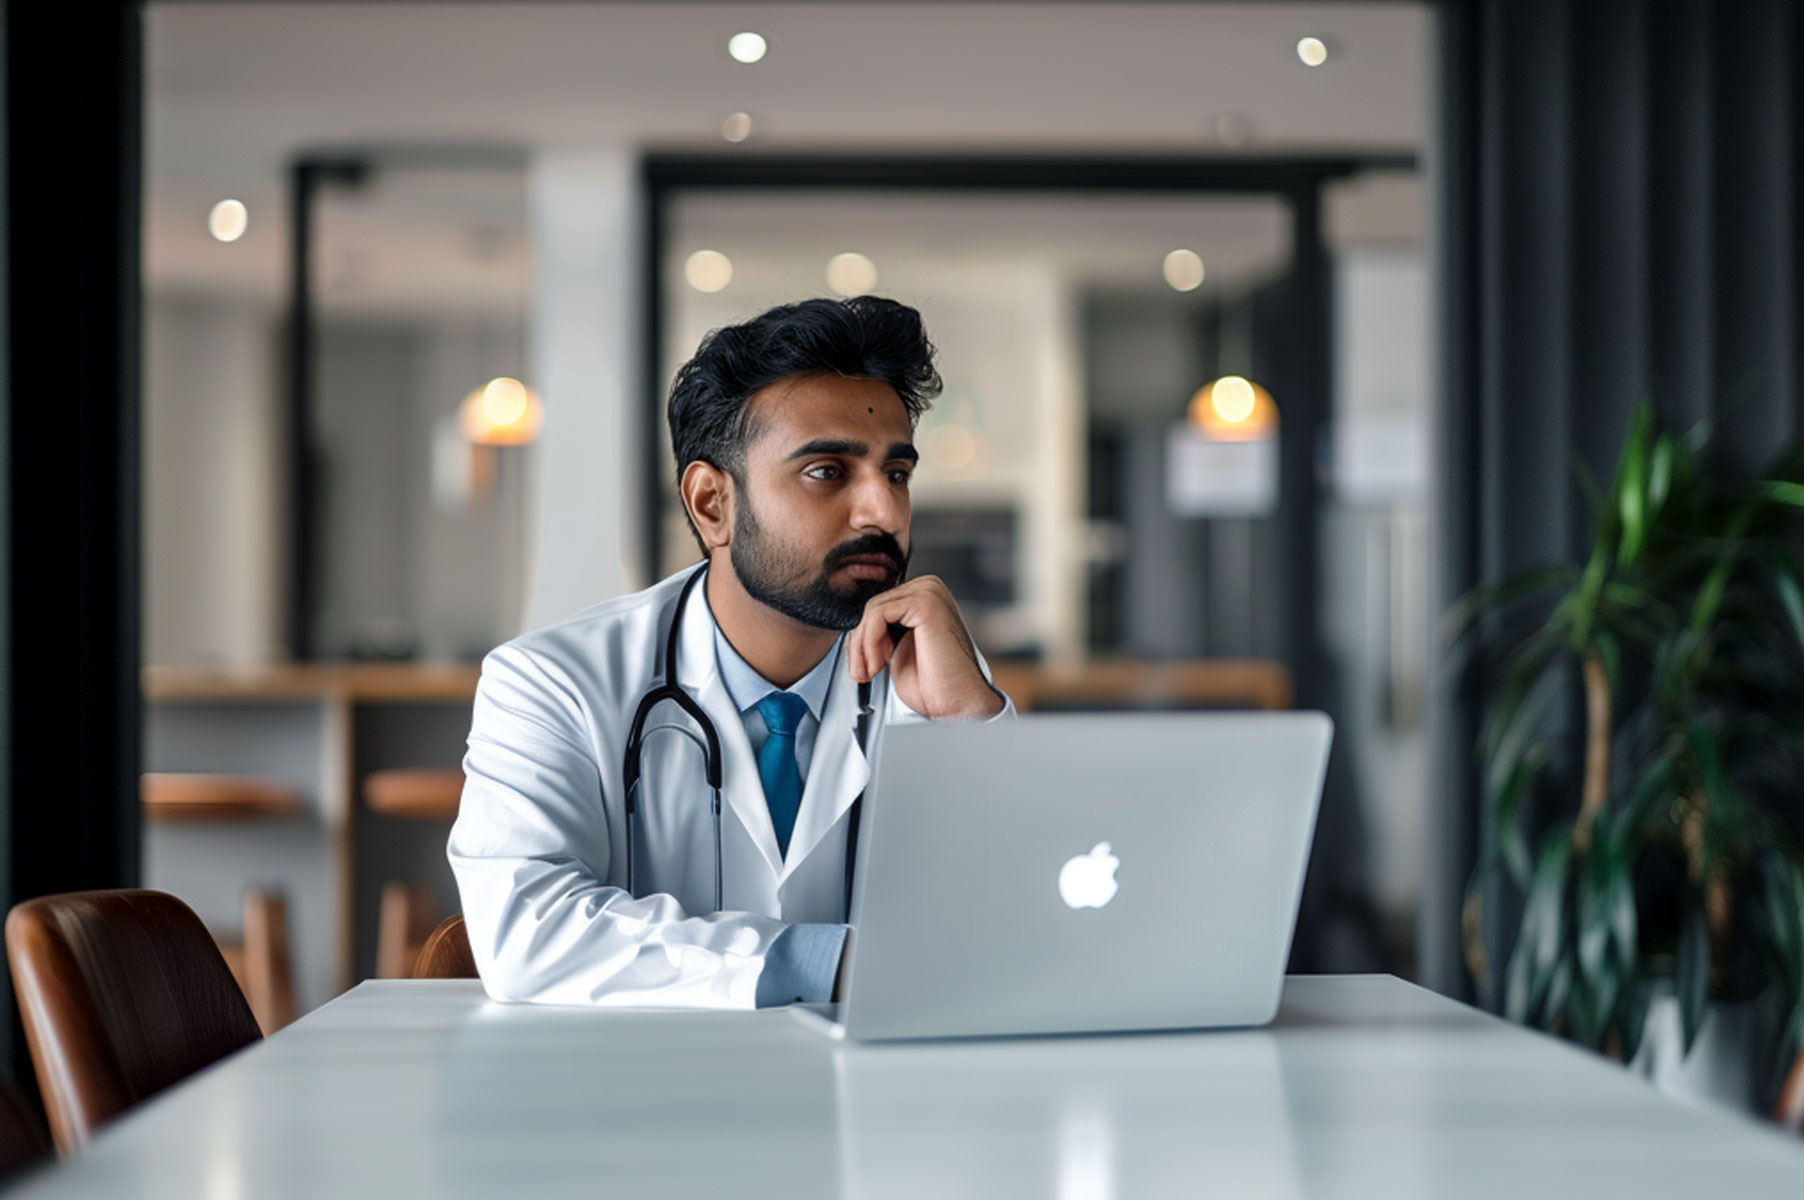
{"points": [[838, 770], [698, 670]]}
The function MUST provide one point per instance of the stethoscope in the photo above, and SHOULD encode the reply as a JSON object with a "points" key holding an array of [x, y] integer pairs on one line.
{"points": [[708, 740]]}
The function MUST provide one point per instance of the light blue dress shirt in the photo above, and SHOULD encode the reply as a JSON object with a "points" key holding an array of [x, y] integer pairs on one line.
{"points": [[803, 961]]}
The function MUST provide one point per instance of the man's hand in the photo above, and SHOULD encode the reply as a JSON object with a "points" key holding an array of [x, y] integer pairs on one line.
{"points": [[931, 658]]}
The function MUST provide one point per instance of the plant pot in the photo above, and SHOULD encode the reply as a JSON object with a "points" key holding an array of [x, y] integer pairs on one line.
{"points": [[1724, 1067]]}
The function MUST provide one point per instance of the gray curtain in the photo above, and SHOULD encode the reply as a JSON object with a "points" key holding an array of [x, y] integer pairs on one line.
{"points": [[1622, 212]]}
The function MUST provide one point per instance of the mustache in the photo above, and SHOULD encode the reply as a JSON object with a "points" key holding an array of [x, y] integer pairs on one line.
{"points": [[870, 543]]}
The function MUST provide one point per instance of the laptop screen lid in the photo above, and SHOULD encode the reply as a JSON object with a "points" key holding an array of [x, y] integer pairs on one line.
{"points": [[1081, 873]]}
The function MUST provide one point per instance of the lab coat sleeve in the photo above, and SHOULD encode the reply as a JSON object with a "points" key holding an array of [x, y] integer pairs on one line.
{"points": [[531, 853]]}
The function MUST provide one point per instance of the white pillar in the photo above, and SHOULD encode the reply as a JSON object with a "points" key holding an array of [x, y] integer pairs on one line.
{"points": [[586, 356]]}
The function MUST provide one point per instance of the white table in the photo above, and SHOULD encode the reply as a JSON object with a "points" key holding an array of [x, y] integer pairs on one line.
{"points": [[1366, 1086]]}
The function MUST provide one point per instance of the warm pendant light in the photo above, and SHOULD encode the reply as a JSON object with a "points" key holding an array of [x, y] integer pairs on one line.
{"points": [[1234, 409], [502, 412]]}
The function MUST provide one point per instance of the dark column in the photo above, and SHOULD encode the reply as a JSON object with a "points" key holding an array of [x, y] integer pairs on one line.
{"points": [[306, 178], [1301, 411], [69, 454]]}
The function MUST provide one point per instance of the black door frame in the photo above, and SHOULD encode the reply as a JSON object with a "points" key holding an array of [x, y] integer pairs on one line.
{"points": [[1297, 181]]}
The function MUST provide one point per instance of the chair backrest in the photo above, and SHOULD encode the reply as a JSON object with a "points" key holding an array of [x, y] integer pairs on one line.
{"points": [[122, 993], [446, 954]]}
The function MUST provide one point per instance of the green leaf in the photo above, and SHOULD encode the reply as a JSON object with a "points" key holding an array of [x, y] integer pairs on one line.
{"points": [[1512, 843], [1652, 792], [1784, 909], [1541, 940], [1781, 491], [1484, 600], [1554, 1006], [1791, 593], [1584, 1012], [1610, 650], [1631, 1021], [1631, 489], [1508, 737], [1594, 921], [1624, 920], [1659, 475], [1693, 981]]}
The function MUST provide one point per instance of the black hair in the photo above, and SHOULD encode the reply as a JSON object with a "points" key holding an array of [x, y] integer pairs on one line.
{"points": [[863, 337]]}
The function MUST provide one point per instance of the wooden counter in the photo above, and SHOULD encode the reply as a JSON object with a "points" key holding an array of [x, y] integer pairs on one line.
{"points": [[295, 681], [320, 728]]}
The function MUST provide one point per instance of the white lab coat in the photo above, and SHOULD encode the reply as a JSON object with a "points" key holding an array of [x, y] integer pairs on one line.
{"points": [[537, 847]]}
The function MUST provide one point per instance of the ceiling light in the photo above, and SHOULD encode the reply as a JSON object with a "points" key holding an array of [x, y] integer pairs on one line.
{"points": [[1184, 270], [851, 274], [737, 127], [228, 220], [1234, 129], [1313, 51], [502, 412], [708, 270], [1234, 409], [746, 47]]}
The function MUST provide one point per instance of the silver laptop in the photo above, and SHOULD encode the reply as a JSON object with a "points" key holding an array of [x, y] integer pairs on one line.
{"points": [[1078, 874]]}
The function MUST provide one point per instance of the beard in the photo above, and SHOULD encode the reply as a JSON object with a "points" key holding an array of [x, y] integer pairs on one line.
{"points": [[780, 579]]}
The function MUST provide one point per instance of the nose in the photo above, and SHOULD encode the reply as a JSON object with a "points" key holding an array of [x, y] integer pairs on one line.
{"points": [[877, 504]]}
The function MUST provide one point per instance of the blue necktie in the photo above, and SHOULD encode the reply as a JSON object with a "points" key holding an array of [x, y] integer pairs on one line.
{"points": [[777, 770]]}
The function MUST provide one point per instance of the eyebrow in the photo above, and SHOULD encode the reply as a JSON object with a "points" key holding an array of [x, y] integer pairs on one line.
{"points": [[842, 448]]}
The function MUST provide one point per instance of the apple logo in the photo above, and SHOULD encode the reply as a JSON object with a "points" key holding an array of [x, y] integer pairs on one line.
{"points": [[1088, 880]]}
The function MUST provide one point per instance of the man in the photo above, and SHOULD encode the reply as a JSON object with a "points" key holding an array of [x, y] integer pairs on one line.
{"points": [[794, 444]]}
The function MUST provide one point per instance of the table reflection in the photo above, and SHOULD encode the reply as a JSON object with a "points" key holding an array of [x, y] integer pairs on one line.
{"points": [[1075, 1118]]}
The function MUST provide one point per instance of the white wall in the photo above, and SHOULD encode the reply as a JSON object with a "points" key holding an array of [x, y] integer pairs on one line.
{"points": [[1376, 570], [213, 482], [585, 207]]}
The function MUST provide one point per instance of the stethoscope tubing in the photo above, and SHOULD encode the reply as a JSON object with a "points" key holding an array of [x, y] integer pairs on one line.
{"points": [[708, 739]]}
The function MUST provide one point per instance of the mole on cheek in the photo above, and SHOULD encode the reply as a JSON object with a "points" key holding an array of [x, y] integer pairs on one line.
{"points": [[870, 410]]}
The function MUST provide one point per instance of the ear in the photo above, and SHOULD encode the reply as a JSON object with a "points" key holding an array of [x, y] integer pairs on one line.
{"points": [[708, 495]]}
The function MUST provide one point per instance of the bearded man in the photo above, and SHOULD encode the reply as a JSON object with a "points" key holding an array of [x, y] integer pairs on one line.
{"points": [[662, 792]]}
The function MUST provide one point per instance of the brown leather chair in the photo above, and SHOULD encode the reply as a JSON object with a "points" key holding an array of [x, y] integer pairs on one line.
{"points": [[446, 954], [122, 993]]}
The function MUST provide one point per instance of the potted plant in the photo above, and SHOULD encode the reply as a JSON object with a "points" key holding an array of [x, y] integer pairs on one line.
{"points": [[1666, 856]]}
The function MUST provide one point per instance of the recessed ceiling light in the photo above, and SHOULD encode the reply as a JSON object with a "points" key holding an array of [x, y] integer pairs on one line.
{"points": [[737, 127], [1234, 129], [1184, 270], [1313, 51], [747, 47], [708, 270], [228, 220], [851, 274]]}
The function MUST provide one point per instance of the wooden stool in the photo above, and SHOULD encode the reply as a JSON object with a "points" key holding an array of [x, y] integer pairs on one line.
{"points": [[168, 796], [407, 915], [260, 960]]}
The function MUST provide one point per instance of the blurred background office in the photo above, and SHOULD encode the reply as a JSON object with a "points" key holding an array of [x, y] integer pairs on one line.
{"points": [[570, 197], [1267, 330]]}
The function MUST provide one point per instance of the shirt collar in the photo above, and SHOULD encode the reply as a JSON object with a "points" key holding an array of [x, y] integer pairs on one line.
{"points": [[747, 687]]}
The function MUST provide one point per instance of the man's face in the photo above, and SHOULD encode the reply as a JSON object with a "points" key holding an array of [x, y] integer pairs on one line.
{"points": [[820, 520]]}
